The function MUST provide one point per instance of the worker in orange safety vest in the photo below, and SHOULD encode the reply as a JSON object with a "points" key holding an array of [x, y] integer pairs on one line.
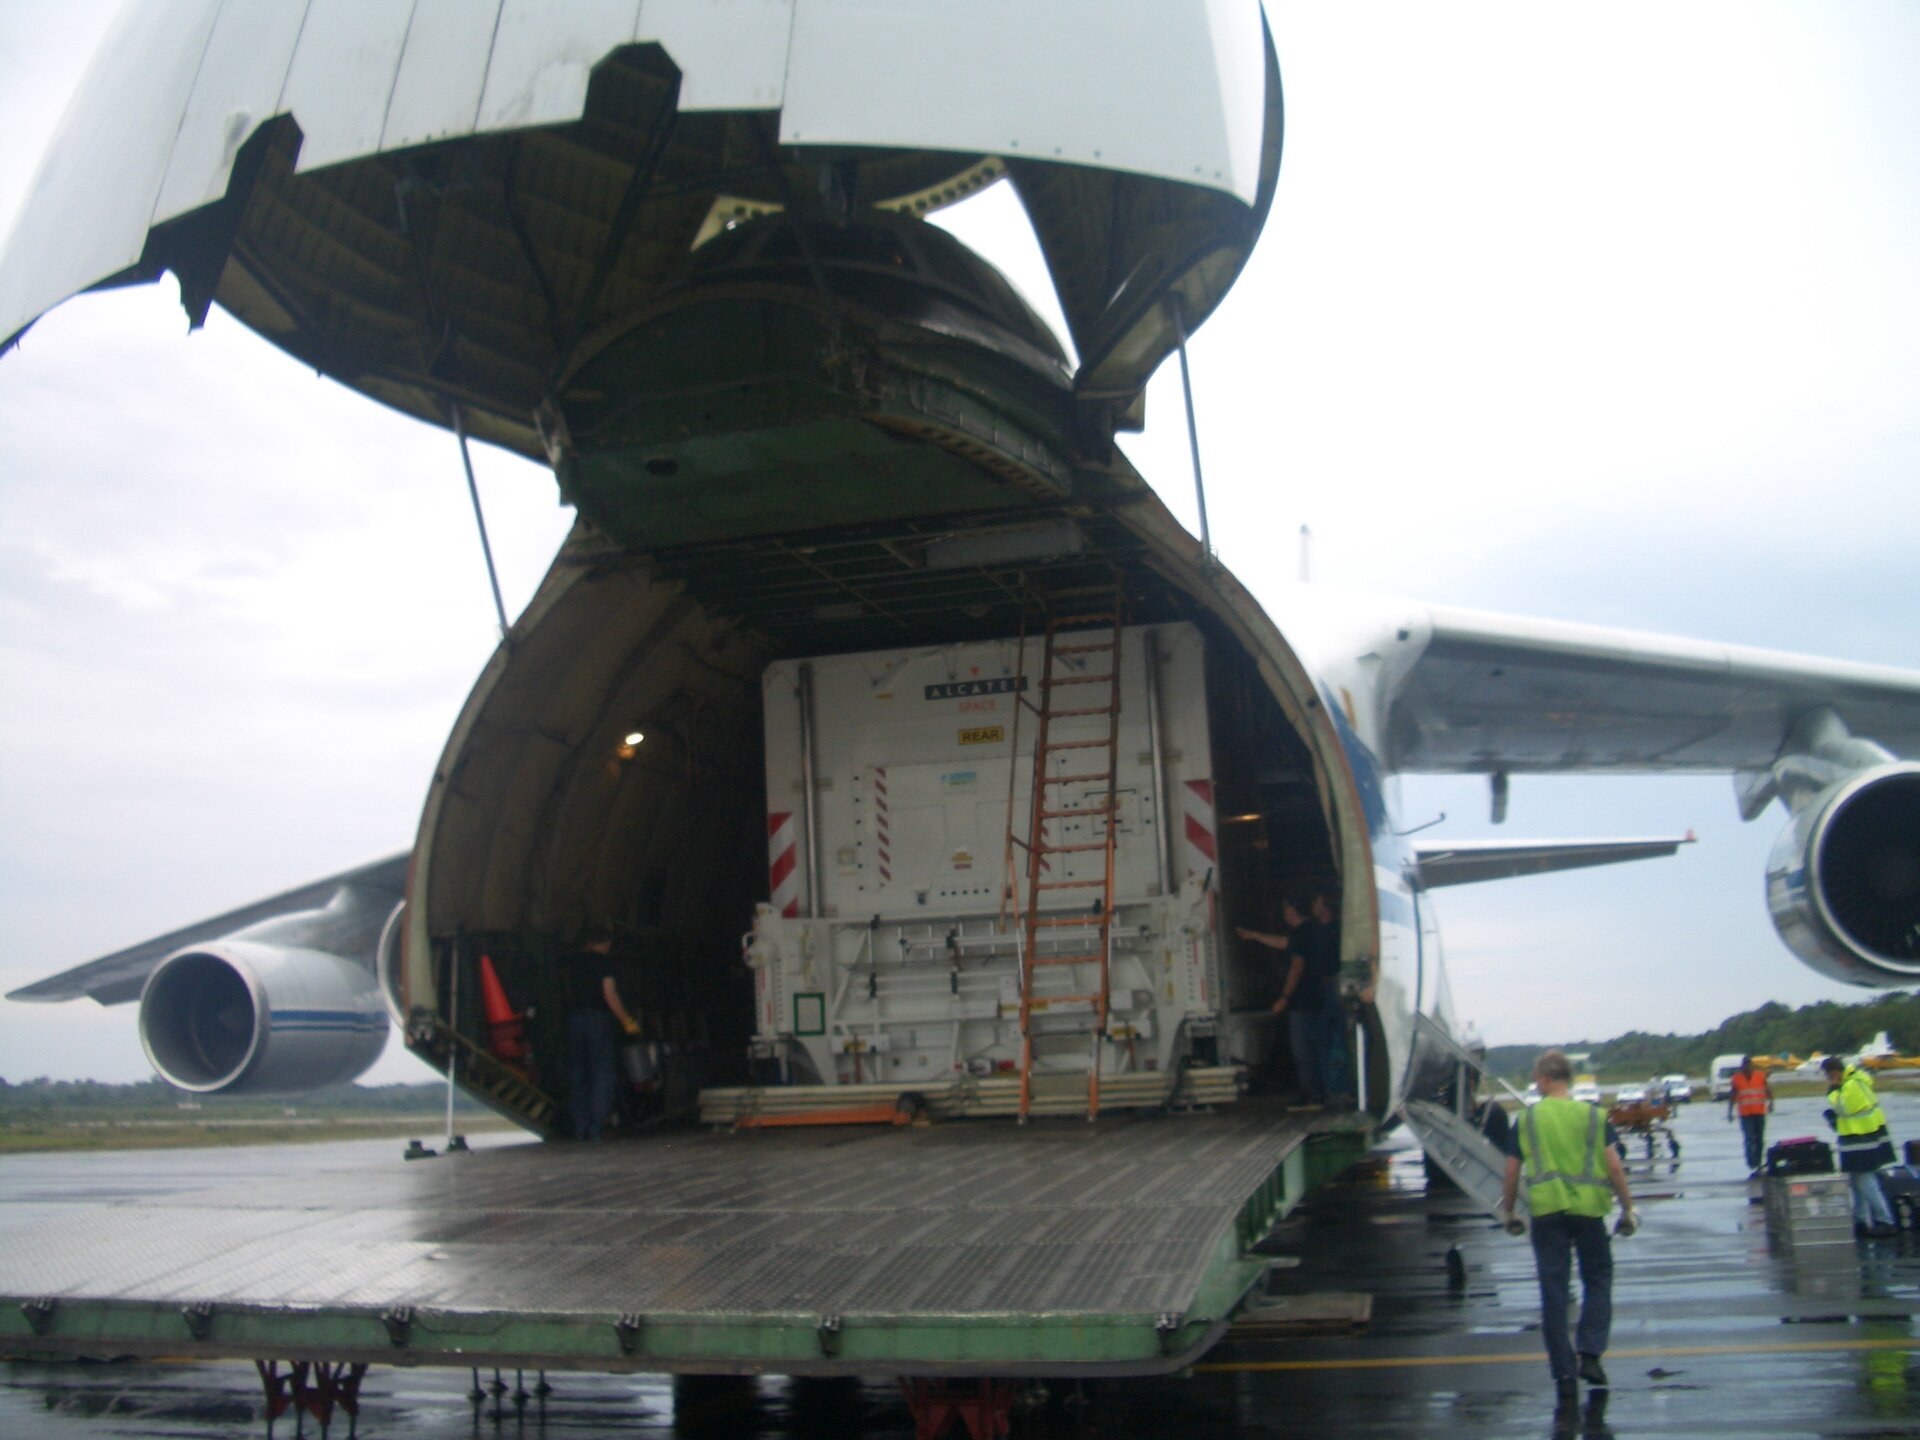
{"points": [[1752, 1098]]}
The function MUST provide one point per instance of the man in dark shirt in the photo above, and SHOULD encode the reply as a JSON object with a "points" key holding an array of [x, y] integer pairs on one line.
{"points": [[593, 1006], [1299, 1003], [1310, 999], [1319, 940]]}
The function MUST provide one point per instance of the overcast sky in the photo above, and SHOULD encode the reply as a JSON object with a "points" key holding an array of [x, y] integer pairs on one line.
{"points": [[1601, 313]]}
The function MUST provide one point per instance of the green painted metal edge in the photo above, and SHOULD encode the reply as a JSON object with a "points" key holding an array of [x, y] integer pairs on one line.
{"points": [[1051, 1342]]}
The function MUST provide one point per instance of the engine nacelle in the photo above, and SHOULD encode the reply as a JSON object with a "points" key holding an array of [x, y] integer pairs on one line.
{"points": [[249, 1017], [1844, 879]]}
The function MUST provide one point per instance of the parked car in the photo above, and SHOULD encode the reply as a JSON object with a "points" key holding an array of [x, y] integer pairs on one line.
{"points": [[1629, 1095], [1679, 1089], [1588, 1089]]}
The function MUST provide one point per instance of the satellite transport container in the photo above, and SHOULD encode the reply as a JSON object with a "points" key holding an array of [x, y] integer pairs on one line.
{"points": [[890, 948]]}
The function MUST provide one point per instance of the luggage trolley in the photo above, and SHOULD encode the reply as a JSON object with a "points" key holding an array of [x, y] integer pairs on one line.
{"points": [[1651, 1119]]}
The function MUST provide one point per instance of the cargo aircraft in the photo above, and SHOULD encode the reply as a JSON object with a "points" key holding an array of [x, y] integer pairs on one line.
{"points": [[868, 642]]}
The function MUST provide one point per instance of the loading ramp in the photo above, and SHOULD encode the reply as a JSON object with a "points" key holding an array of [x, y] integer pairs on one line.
{"points": [[965, 1249]]}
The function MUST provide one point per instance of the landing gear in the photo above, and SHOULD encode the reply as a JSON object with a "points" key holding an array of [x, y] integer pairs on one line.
{"points": [[985, 1407], [313, 1387]]}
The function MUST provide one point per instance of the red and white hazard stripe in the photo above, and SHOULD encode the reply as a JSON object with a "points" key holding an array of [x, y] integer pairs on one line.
{"points": [[783, 863], [1197, 822], [882, 826]]}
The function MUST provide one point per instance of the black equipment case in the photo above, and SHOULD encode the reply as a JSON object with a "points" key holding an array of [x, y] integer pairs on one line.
{"points": [[1807, 1155]]}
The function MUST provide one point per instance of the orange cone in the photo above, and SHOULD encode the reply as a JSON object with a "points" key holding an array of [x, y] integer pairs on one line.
{"points": [[507, 1031]]}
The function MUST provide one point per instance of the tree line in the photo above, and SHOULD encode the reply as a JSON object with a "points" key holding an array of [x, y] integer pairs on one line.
{"points": [[42, 1094], [1773, 1029]]}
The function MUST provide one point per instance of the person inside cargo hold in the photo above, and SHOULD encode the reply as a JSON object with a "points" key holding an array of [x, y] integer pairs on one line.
{"points": [[1853, 1110], [1293, 1005], [1317, 937], [593, 1007], [1310, 999], [1570, 1157], [1753, 1097]]}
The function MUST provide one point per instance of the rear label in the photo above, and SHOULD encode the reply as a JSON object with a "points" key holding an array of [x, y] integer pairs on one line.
{"points": [[984, 735]]}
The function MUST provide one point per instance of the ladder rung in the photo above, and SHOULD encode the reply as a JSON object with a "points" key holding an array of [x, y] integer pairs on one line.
{"points": [[1082, 647], [1088, 710], [1077, 744], [1047, 849], [1064, 621], [1069, 779], [1058, 921], [1068, 999], [1077, 680], [1063, 814], [1066, 960], [1071, 884]]}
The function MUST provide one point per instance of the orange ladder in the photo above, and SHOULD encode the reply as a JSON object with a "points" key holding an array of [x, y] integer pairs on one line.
{"points": [[1074, 641]]}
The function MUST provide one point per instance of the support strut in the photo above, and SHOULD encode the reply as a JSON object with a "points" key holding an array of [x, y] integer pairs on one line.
{"points": [[313, 1387], [984, 1407]]}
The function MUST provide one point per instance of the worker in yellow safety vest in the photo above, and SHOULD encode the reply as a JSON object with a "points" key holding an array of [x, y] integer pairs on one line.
{"points": [[1753, 1098], [1567, 1152], [1853, 1110]]}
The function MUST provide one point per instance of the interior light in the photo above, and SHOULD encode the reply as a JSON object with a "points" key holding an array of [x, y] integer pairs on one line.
{"points": [[634, 737]]}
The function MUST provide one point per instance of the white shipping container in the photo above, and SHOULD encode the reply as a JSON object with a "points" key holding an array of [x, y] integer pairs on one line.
{"points": [[889, 948]]}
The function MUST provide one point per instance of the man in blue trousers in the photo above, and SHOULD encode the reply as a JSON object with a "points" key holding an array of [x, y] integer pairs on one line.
{"points": [[1566, 1151]]}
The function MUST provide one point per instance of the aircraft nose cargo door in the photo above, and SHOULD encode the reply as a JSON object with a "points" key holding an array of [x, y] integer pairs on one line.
{"points": [[889, 951]]}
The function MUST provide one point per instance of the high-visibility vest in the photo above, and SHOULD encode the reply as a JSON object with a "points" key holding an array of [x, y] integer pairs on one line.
{"points": [[1750, 1092], [1560, 1158], [1861, 1123]]}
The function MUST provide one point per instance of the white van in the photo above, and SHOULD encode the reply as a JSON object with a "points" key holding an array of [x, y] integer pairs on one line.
{"points": [[1723, 1068]]}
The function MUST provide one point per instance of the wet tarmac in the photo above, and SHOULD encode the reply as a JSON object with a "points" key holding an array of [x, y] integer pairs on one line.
{"points": [[1719, 1331]]}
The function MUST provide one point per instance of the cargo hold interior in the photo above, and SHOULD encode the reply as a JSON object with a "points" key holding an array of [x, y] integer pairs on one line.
{"points": [[552, 817]]}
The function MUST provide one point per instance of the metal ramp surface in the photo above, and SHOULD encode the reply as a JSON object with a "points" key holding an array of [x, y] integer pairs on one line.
{"points": [[971, 1248]]}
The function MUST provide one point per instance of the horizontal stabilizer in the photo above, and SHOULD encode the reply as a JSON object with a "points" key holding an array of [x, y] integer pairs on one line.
{"points": [[1464, 862], [117, 978]]}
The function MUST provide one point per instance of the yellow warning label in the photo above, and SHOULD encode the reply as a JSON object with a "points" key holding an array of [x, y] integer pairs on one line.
{"points": [[984, 735]]}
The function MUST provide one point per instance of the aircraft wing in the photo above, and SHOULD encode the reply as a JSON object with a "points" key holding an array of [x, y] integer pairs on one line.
{"points": [[1493, 693], [117, 978]]}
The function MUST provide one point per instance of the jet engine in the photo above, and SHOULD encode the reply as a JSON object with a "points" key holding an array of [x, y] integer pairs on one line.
{"points": [[1843, 882], [250, 1017]]}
